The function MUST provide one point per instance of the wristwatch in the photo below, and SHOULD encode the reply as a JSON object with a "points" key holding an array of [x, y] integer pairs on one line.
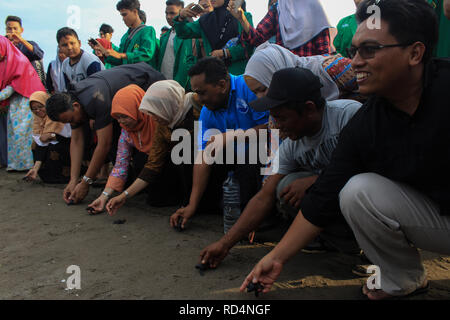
{"points": [[88, 180]]}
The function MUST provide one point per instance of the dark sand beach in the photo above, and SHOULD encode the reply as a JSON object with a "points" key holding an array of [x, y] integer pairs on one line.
{"points": [[144, 258]]}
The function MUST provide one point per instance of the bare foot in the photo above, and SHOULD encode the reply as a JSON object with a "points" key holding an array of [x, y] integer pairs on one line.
{"points": [[375, 294]]}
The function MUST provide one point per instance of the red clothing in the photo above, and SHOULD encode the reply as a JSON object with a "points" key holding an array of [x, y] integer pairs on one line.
{"points": [[16, 71], [105, 44], [269, 27]]}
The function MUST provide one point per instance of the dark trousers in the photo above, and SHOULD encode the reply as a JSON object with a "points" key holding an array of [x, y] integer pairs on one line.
{"points": [[55, 161], [90, 142], [248, 176]]}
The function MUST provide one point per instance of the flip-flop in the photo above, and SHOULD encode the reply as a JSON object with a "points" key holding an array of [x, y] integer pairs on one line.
{"points": [[416, 292]]}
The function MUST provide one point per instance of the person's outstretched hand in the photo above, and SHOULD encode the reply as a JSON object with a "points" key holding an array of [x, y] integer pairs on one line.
{"points": [[67, 193], [214, 254], [265, 273], [31, 175], [99, 204], [185, 213], [115, 204]]}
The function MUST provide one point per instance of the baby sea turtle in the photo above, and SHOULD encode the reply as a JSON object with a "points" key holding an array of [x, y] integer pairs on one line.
{"points": [[202, 267], [178, 227], [255, 287]]}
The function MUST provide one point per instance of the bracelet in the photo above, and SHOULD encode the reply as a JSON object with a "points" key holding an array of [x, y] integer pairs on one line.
{"points": [[88, 180], [225, 54], [126, 194], [106, 194]]}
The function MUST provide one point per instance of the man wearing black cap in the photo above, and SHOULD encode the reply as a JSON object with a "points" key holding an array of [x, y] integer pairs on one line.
{"points": [[312, 127], [389, 174]]}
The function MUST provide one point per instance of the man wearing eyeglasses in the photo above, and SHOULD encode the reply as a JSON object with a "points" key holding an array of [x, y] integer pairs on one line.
{"points": [[390, 172]]}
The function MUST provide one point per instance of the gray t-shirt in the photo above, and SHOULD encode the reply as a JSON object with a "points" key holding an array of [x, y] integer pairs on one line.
{"points": [[313, 154], [87, 66], [168, 61]]}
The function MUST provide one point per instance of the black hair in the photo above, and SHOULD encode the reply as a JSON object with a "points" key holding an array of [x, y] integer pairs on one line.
{"points": [[128, 5], [106, 28], [177, 3], [59, 103], [64, 32], [299, 107], [142, 16], [409, 21], [213, 68], [244, 6], [13, 19], [165, 28]]}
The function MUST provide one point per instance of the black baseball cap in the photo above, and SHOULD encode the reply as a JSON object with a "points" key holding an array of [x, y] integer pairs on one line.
{"points": [[288, 85]]}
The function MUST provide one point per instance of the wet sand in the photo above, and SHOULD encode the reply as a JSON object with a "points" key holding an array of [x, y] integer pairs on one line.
{"points": [[144, 258]]}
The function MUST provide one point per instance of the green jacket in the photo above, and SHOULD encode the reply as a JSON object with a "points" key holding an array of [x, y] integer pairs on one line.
{"points": [[184, 58], [442, 49], [239, 54], [108, 65], [346, 30], [142, 48]]}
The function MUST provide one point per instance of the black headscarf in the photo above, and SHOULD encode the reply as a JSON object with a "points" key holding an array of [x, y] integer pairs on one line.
{"points": [[213, 24]]}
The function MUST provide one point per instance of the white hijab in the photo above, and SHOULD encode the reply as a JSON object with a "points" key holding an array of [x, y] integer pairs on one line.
{"points": [[57, 75], [300, 21], [167, 100], [270, 58]]}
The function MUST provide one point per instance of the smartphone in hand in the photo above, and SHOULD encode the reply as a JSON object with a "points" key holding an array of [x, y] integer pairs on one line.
{"points": [[95, 44], [198, 9], [237, 5]]}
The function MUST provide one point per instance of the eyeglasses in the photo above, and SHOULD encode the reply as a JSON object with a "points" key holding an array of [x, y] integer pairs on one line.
{"points": [[369, 51]]}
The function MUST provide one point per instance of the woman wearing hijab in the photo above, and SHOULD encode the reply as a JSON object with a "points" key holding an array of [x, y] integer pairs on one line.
{"points": [[52, 144], [135, 141], [335, 72], [220, 33], [18, 80], [55, 76], [299, 25], [170, 106]]}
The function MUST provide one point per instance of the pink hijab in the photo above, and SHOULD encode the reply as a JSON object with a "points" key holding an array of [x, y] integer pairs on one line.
{"points": [[16, 71]]}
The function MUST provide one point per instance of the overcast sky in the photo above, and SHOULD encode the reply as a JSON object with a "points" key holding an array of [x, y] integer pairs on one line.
{"points": [[41, 19]]}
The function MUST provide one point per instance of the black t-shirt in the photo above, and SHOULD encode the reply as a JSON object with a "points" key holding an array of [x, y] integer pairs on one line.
{"points": [[414, 150], [36, 54], [96, 92]]}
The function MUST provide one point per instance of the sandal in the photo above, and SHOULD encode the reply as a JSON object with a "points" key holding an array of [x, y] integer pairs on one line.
{"points": [[421, 290]]}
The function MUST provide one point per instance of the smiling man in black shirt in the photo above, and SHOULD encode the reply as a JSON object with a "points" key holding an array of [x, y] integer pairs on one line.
{"points": [[389, 174]]}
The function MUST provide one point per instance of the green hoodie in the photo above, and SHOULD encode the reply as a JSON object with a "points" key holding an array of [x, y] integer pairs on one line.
{"points": [[184, 58], [442, 49], [239, 54], [142, 48], [346, 30]]}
